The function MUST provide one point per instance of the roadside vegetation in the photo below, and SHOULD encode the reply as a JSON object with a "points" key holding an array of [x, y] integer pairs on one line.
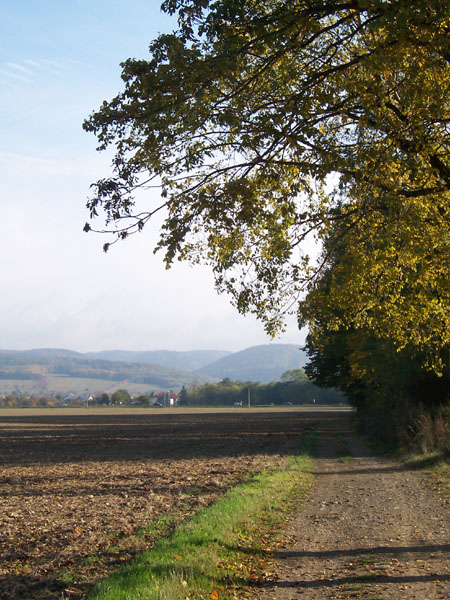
{"points": [[221, 549], [433, 454]]}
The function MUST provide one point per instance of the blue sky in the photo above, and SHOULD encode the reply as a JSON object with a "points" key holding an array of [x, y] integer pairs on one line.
{"points": [[58, 62]]}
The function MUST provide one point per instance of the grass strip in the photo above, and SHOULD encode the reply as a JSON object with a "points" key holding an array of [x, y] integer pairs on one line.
{"points": [[220, 550]]}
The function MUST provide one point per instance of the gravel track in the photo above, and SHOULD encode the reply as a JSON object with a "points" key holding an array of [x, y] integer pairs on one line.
{"points": [[371, 528]]}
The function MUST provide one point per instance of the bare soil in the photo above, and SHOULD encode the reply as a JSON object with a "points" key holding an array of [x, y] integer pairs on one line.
{"points": [[371, 528], [78, 488]]}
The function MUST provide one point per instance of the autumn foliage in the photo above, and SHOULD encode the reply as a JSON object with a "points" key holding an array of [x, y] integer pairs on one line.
{"points": [[268, 123]]}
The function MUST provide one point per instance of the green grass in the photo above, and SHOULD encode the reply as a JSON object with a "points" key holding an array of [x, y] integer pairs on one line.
{"points": [[422, 461], [222, 548]]}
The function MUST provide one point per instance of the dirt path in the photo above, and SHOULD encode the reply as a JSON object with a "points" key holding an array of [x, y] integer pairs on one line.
{"points": [[370, 529]]}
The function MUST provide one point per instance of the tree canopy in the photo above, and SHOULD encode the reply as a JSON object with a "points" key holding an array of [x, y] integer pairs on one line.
{"points": [[266, 122]]}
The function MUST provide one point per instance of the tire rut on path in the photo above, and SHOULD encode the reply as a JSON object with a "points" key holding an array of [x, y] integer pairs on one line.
{"points": [[370, 528]]}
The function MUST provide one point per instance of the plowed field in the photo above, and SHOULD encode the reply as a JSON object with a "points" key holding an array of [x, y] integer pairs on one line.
{"points": [[79, 491]]}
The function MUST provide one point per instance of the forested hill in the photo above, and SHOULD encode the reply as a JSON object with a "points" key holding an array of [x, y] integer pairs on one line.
{"points": [[259, 363], [186, 361], [34, 364]]}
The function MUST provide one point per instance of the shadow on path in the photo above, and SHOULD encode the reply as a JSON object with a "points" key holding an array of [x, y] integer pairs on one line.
{"points": [[371, 551], [367, 579]]}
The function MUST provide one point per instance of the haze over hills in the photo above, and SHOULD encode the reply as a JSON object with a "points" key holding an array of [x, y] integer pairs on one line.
{"points": [[189, 360], [54, 370], [259, 363], [48, 370], [263, 363], [39, 354]]}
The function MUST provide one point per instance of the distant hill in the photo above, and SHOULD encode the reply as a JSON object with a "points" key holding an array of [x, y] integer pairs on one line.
{"points": [[259, 363], [36, 365], [22, 357], [190, 360], [38, 370]]}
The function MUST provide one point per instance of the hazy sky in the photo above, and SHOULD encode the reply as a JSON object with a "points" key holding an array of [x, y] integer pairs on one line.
{"points": [[58, 62]]}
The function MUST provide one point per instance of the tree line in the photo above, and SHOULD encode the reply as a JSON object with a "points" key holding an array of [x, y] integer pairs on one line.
{"points": [[120, 397], [266, 124], [294, 388]]}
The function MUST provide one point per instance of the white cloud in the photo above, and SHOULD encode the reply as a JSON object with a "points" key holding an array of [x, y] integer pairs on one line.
{"points": [[16, 76], [19, 68], [33, 63], [54, 63]]}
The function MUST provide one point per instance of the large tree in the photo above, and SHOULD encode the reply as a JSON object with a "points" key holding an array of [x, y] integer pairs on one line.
{"points": [[264, 122]]}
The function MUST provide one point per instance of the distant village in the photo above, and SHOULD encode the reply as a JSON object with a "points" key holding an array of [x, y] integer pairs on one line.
{"points": [[120, 397]]}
